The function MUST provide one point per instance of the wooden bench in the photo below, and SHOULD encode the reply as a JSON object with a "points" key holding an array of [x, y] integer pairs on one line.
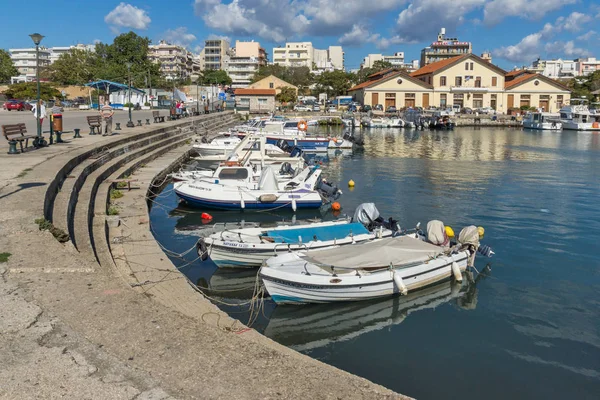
{"points": [[95, 122], [16, 133], [157, 117]]}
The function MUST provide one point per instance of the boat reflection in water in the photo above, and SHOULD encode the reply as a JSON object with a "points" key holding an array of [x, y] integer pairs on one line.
{"points": [[305, 328], [230, 283]]}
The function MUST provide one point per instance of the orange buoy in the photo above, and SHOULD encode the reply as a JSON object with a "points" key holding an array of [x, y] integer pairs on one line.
{"points": [[206, 216], [335, 206]]}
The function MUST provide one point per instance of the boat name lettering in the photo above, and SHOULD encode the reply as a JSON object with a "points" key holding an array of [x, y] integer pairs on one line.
{"points": [[234, 244]]}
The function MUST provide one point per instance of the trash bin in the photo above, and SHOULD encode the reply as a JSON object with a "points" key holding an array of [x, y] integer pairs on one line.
{"points": [[57, 122]]}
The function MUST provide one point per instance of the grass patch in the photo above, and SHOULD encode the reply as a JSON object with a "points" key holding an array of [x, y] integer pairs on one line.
{"points": [[116, 194], [24, 172], [58, 234], [112, 210], [4, 257]]}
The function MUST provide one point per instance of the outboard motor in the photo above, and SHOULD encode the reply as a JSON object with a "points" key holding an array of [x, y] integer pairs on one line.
{"points": [[295, 151], [283, 145], [328, 190], [286, 169]]}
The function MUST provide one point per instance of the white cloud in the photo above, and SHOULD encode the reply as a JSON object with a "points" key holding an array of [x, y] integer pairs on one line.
{"points": [[560, 48], [179, 36], [524, 51], [587, 36], [575, 21], [496, 10], [127, 16], [422, 19]]}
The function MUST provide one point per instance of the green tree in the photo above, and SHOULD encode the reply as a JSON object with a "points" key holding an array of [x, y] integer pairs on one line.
{"points": [[301, 77], [334, 83], [216, 76], [77, 67], [287, 95], [7, 68], [28, 91], [380, 65]]}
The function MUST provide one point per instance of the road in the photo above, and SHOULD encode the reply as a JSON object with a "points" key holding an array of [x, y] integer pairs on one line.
{"points": [[71, 119]]}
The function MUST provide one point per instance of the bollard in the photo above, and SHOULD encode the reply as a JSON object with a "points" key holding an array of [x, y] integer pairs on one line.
{"points": [[139, 122], [12, 147], [59, 137], [93, 130], [118, 128], [77, 135], [147, 121]]}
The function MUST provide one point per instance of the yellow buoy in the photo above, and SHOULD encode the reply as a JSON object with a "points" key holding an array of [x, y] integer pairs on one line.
{"points": [[351, 183], [481, 231], [449, 232]]}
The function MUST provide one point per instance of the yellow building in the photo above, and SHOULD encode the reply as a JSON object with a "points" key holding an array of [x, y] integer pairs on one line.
{"points": [[272, 82], [462, 81]]}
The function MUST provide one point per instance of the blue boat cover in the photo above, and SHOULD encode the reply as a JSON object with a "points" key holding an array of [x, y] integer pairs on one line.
{"points": [[322, 233]]}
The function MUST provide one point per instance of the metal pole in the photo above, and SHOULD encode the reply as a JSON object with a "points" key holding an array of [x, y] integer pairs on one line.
{"points": [[130, 122], [37, 78], [197, 97], [150, 83]]}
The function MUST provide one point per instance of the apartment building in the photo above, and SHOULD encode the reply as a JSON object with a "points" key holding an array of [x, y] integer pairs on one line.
{"points": [[303, 54], [175, 61], [245, 60], [25, 62], [215, 54], [444, 48], [396, 59]]}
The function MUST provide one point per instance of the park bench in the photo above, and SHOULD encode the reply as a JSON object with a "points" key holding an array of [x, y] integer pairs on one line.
{"points": [[16, 133], [95, 122], [157, 117], [173, 114]]}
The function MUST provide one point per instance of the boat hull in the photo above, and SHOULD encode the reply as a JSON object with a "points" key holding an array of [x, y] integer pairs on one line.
{"points": [[248, 204], [574, 126], [287, 288]]}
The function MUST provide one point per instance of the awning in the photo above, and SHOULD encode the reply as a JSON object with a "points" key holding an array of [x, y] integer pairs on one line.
{"points": [[110, 87]]}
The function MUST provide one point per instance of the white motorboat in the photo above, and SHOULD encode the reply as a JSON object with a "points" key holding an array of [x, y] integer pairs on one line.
{"points": [[384, 123], [249, 247], [221, 145], [235, 187], [542, 121], [373, 269], [578, 117]]}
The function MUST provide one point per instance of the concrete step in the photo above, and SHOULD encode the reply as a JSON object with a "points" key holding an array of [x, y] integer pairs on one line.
{"points": [[81, 221]]}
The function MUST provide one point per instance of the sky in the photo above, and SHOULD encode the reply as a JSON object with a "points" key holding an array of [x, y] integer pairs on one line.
{"points": [[516, 31]]}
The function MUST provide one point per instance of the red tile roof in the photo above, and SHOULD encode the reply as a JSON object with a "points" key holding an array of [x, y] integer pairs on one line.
{"points": [[382, 72], [256, 92], [516, 72], [428, 69], [530, 75], [387, 77]]}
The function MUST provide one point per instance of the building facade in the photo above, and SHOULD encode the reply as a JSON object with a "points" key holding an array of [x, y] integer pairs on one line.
{"points": [[272, 82], [255, 100], [245, 60], [444, 48], [215, 54], [175, 61], [560, 68], [303, 54], [463, 81], [25, 62], [397, 60]]}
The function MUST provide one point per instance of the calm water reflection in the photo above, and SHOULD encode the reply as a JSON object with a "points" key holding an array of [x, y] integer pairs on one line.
{"points": [[529, 329]]}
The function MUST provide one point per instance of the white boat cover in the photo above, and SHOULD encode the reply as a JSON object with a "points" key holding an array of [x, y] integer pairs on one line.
{"points": [[396, 251], [469, 235], [436, 232], [366, 213], [267, 181]]}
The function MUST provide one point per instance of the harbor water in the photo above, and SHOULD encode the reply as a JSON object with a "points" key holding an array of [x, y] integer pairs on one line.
{"points": [[526, 326]]}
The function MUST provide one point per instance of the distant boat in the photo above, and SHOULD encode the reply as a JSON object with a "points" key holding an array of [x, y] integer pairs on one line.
{"points": [[578, 117], [542, 121]]}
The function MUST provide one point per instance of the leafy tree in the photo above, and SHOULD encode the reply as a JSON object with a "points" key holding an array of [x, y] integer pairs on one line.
{"points": [[380, 65], [77, 67], [334, 83], [28, 90], [7, 68], [216, 76], [287, 95]]}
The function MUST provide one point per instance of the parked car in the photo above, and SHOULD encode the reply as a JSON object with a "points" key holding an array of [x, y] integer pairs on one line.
{"points": [[391, 109], [486, 110], [331, 109], [316, 107], [365, 108], [302, 107], [378, 107], [466, 110], [17, 105]]}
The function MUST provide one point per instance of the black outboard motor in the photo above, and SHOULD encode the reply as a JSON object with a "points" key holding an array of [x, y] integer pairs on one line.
{"points": [[295, 151], [283, 145], [328, 190], [286, 169]]}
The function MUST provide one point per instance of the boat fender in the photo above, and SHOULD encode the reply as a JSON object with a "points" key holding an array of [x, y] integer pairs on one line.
{"points": [[267, 198], [402, 289], [202, 249], [456, 272], [294, 206], [242, 202]]}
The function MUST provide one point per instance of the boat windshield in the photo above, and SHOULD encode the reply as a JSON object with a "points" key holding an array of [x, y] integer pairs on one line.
{"points": [[233, 173]]}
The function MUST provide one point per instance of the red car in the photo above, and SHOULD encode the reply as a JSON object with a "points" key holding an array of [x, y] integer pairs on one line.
{"points": [[16, 105]]}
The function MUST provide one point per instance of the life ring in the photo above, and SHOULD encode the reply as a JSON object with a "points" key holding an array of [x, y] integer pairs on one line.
{"points": [[302, 126], [595, 125]]}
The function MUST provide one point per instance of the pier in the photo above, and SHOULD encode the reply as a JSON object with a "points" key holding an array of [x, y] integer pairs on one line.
{"points": [[106, 313]]}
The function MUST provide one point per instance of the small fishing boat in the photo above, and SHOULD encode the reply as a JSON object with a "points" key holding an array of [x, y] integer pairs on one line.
{"points": [[542, 121], [221, 145], [249, 247], [234, 187], [384, 123], [578, 117], [373, 269]]}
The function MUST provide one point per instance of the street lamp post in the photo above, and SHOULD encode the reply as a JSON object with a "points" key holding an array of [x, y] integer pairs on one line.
{"points": [[37, 39], [130, 122], [197, 96]]}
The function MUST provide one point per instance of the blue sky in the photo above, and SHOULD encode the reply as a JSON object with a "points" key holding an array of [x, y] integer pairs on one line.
{"points": [[515, 31]]}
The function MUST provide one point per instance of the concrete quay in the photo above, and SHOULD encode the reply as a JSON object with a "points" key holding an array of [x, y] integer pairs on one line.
{"points": [[106, 315]]}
